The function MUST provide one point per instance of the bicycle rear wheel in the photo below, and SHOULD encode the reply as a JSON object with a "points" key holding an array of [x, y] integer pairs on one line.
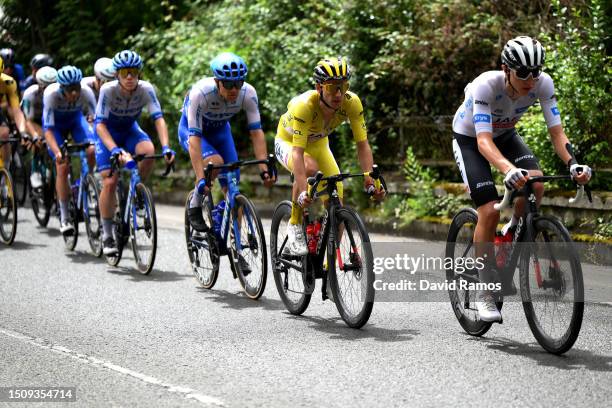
{"points": [[202, 247], [8, 208], [459, 244], [91, 214], [41, 200], [351, 268], [143, 228], [552, 286], [246, 232], [289, 271]]}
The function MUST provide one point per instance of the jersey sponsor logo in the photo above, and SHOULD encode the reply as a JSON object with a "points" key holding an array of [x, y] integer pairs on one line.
{"points": [[505, 122], [469, 103], [521, 110], [555, 111], [348, 96], [254, 99], [481, 117], [524, 157], [478, 102]]}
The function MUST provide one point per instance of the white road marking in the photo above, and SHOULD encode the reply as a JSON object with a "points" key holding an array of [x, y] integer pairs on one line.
{"points": [[96, 362]]}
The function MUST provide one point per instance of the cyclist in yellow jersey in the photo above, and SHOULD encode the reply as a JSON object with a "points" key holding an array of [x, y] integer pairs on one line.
{"points": [[302, 143], [8, 91]]}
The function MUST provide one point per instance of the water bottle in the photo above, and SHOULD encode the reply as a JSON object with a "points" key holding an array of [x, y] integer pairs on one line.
{"points": [[312, 233], [75, 190], [502, 244]]}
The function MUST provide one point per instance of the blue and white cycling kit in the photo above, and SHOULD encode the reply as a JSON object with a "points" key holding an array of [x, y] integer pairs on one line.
{"points": [[206, 115], [62, 117], [32, 103], [488, 108], [90, 83], [120, 113]]}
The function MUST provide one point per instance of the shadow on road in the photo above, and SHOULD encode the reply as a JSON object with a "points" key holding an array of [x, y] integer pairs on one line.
{"points": [[340, 331], [52, 232], [574, 359], [238, 300], [22, 245], [155, 276], [81, 257]]}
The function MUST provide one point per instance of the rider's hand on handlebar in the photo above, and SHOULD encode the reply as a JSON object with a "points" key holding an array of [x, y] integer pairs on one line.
{"points": [[121, 155], [168, 154], [267, 178], [516, 178], [581, 173], [370, 189]]}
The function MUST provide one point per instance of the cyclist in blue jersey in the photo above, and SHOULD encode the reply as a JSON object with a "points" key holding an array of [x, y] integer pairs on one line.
{"points": [[484, 133], [63, 103], [204, 130], [118, 134]]}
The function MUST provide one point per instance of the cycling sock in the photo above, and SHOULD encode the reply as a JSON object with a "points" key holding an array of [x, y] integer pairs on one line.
{"points": [[296, 214], [196, 199], [107, 228], [63, 210]]}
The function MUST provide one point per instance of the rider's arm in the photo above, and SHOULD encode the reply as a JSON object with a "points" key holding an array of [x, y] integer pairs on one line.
{"points": [[88, 102], [49, 120], [489, 150], [251, 107], [259, 147], [18, 117], [102, 114], [559, 141], [13, 102], [28, 110], [194, 124]]}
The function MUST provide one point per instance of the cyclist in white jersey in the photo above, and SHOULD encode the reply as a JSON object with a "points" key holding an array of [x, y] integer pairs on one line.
{"points": [[63, 103], [204, 130], [118, 134], [484, 133], [103, 72]]}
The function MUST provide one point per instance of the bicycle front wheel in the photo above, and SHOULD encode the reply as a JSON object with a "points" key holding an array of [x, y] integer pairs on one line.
{"points": [[248, 247], [289, 271], [202, 247], [551, 286], [119, 232], [143, 229], [8, 208], [91, 215], [351, 268]]}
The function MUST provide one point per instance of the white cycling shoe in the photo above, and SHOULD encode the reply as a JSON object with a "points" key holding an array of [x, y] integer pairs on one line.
{"points": [[487, 309], [296, 243]]}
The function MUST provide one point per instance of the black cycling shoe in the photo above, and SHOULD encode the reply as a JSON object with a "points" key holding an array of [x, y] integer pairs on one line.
{"points": [[194, 215], [109, 246], [244, 266]]}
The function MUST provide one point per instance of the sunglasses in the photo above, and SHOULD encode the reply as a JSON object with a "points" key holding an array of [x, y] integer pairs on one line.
{"points": [[71, 88], [332, 88], [124, 72], [232, 84], [524, 72]]}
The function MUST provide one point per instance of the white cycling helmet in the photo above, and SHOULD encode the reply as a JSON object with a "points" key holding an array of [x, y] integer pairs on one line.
{"points": [[46, 76], [104, 70], [523, 52]]}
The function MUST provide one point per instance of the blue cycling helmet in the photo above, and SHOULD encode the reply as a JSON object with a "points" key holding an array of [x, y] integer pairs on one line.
{"points": [[229, 66], [127, 59], [68, 75]]}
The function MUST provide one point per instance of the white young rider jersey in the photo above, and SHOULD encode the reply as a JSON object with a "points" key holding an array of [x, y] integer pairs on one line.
{"points": [[57, 110], [206, 108], [488, 108], [90, 82], [121, 111], [32, 102]]}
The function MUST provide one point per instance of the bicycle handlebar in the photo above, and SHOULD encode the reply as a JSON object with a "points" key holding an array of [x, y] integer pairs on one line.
{"points": [[313, 182], [138, 158], [270, 161]]}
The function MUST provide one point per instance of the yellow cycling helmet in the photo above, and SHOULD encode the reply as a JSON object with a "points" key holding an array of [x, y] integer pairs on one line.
{"points": [[332, 68]]}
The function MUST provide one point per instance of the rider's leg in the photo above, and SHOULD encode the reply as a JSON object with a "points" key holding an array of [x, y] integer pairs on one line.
{"points": [[82, 133], [107, 203], [138, 142], [6, 148]]}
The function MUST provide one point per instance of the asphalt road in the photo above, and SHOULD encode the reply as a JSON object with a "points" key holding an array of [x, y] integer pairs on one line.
{"points": [[124, 339]]}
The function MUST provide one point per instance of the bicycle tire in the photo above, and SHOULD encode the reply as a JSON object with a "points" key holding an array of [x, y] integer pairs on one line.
{"points": [[71, 239], [254, 283], [289, 281], [353, 225], [21, 180], [91, 215], [202, 246], [8, 206], [463, 302], [558, 285], [118, 226], [148, 229]]}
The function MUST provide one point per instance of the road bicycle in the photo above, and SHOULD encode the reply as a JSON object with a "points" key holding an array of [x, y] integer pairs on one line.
{"points": [[550, 273], [8, 203], [340, 254], [134, 217], [233, 229]]}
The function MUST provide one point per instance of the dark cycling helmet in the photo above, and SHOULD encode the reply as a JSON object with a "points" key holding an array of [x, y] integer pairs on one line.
{"points": [[41, 60], [523, 52], [228, 66], [8, 56], [332, 68], [127, 59]]}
